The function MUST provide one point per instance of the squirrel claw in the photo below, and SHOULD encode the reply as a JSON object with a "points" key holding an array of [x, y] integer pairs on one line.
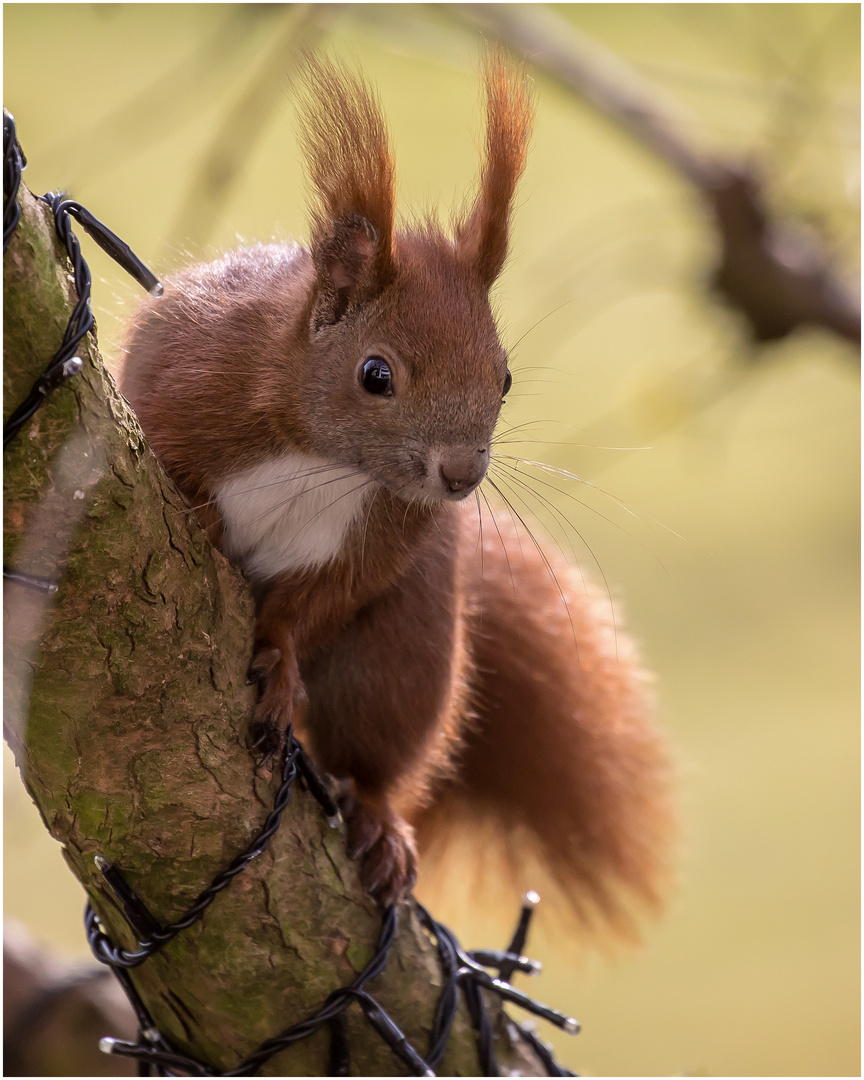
{"points": [[389, 871], [254, 676], [265, 661], [364, 830], [279, 693], [385, 849], [266, 740]]}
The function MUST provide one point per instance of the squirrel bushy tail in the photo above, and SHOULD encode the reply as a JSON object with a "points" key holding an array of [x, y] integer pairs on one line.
{"points": [[562, 765]]}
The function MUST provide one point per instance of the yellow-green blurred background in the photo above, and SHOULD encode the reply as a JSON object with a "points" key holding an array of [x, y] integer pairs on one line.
{"points": [[750, 619]]}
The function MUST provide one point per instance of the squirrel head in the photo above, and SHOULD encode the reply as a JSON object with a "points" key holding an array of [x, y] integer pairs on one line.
{"points": [[403, 353]]}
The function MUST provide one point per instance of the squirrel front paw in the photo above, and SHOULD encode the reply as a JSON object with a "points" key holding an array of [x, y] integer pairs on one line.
{"points": [[384, 845], [280, 691]]}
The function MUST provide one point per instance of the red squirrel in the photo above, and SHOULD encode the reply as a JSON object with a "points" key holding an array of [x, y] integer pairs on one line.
{"points": [[328, 411]]}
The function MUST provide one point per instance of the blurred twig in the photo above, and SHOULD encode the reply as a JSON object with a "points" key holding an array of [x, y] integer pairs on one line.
{"points": [[775, 274], [233, 140], [54, 1013], [153, 110]]}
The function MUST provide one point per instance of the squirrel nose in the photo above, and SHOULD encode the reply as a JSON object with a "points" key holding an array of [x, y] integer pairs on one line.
{"points": [[462, 471]]}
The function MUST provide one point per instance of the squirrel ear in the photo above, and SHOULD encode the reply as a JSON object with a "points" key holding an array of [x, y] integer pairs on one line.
{"points": [[345, 263], [481, 237], [350, 170]]}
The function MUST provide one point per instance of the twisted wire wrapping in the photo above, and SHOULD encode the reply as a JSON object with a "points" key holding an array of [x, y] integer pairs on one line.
{"points": [[463, 976], [14, 163], [114, 956], [80, 322]]}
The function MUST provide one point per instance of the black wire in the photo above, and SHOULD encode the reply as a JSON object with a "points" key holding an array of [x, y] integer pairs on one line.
{"points": [[63, 363], [333, 1007], [14, 163], [463, 975], [470, 970], [340, 1052], [463, 971], [29, 581], [481, 1025], [114, 956], [542, 1050], [112, 245], [316, 785], [448, 999]]}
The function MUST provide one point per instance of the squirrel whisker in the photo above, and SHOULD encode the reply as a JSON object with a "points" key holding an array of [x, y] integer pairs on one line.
{"points": [[546, 503], [565, 474], [540, 552], [310, 491], [272, 483], [497, 530]]}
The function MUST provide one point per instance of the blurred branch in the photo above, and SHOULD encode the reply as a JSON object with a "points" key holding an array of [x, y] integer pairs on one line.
{"points": [[775, 274], [232, 142], [153, 111], [551, 44], [55, 1013]]}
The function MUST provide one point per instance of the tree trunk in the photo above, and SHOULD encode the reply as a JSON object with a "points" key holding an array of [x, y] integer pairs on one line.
{"points": [[126, 707]]}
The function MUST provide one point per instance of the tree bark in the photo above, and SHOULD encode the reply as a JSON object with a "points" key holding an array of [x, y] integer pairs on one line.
{"points": [[126, 707]]}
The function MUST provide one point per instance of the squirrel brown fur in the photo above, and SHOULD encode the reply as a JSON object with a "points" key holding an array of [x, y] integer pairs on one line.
{"points": [[327, 411]]}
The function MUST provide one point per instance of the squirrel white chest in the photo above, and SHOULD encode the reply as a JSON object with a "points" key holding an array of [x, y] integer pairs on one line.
{"points": [[293, 512]]}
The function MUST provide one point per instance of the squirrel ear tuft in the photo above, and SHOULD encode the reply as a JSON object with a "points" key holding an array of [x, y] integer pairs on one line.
{"points": [[350, 171], [481, 237]]}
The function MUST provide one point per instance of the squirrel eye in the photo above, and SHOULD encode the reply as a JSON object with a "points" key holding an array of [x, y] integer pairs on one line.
{"points": [[508, 382], [375, 376]]}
